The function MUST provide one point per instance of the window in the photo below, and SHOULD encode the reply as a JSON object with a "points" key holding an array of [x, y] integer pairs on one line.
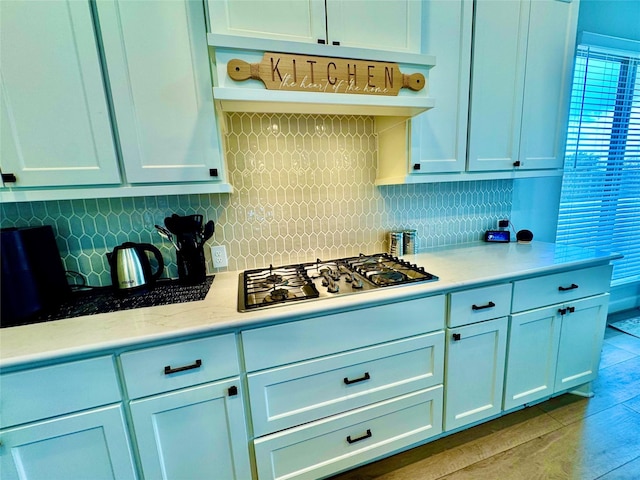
{"points": [[600, 200]]}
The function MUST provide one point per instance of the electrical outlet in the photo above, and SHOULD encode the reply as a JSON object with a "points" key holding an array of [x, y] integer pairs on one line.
{"points": [[219, 256], [503, 223]]}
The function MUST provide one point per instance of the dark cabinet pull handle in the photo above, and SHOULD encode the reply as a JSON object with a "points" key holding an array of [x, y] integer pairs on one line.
{"points": [[9, 178], [564, 289], [335, 43], [571, 309], [363, 437], [416, 166], [232, 391], [213, 172], [168, 370], [562, 311], [517, 163], [456, 337], [366, 376], [321, 41], [482, 307]]}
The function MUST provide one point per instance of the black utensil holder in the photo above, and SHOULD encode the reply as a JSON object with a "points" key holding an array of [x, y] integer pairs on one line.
{"points": [[192, 268]]}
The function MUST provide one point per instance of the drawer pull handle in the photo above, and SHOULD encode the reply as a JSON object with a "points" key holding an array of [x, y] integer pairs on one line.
{"points": [[457, 337], [363, 437], [168, 370], [562, 311], [564, 289], [482, 307], [571, 309], [366, 376]]}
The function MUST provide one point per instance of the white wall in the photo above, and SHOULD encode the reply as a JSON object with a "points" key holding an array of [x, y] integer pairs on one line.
{"points": [[535, 206], [616, 18]]}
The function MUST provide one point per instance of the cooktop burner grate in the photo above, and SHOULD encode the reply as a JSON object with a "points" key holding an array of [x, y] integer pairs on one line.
{"points": [[263, 287]]}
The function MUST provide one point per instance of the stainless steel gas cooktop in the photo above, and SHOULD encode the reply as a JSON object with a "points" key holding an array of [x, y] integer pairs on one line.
{"points": [[274, 286]]}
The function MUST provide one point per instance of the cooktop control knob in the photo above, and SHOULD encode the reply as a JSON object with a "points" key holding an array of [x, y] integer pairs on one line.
{"points": [[333, 287], [357, 283]]}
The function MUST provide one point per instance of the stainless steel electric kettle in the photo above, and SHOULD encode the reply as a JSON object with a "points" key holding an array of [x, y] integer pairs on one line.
{"points": [[131, 267]]}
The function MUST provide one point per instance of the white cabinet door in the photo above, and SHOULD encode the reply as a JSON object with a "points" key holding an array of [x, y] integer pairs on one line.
{"points": [[531, 362], [55, 123], [393, 25], [581, 339], [474, 368], [547, 86], [299, 20], [198, 432], [89, 445], [158, 71], [497, 81], [439, 136], [522, 64]]}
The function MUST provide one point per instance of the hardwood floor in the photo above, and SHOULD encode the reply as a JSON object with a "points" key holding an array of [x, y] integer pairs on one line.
{"points": [[567, 437]]}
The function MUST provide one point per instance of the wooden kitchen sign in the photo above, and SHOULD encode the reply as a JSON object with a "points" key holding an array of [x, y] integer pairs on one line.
{"points": [[281, 71]]}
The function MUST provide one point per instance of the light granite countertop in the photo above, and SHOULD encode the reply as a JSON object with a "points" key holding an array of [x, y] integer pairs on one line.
{"points": [[457, 268]]}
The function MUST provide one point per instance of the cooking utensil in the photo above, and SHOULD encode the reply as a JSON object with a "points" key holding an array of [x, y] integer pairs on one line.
{"points": [[207, 233], [173, 224], [164, 233]]}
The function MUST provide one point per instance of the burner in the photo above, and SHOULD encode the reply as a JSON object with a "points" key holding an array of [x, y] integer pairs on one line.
{"points": [[277, 295], [274, 278], [389, 277]]}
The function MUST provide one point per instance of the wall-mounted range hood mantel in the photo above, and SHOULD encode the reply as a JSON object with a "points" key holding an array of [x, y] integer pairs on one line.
{"points": [[251, 95]]}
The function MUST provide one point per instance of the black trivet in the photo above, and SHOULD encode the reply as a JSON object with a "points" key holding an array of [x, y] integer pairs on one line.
{"points": [[105, 300]]}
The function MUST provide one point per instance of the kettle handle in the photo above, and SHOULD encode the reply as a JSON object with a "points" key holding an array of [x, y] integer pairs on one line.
{"points": [[156, 253]]}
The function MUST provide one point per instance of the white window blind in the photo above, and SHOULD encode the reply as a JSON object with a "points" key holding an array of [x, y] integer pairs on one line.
{"points": [[600, 200]]}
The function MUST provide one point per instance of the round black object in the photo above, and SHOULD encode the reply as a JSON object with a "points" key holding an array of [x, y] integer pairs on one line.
{"points": [[524, 236]]}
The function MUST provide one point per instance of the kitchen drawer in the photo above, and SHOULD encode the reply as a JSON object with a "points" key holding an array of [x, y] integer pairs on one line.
{"points": [[169, 367], [479, 304], [307, 391], [296, 341], [337, 443], [560, 287], [58, 389]]}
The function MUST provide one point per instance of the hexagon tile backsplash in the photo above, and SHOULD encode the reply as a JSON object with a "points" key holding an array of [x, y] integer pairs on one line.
{"points": [[304, 188]]}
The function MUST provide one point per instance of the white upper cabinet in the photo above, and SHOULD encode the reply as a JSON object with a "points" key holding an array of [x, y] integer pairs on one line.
{"points": [[304, 20], [56, 129], [439, 136], [107, 99], [520, 84], [434, 141], [499, 49], [392, 25], [547, 86], [158, 71], [381, 25]]}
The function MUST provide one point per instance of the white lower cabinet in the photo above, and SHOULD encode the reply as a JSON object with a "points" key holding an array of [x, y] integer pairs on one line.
{"points": [[88, 445], [554, 349], [532, 358], [336, 443], [371, 386], [474, 372], [64, 421], [581, 340], [196, 432], [187, 409]]}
